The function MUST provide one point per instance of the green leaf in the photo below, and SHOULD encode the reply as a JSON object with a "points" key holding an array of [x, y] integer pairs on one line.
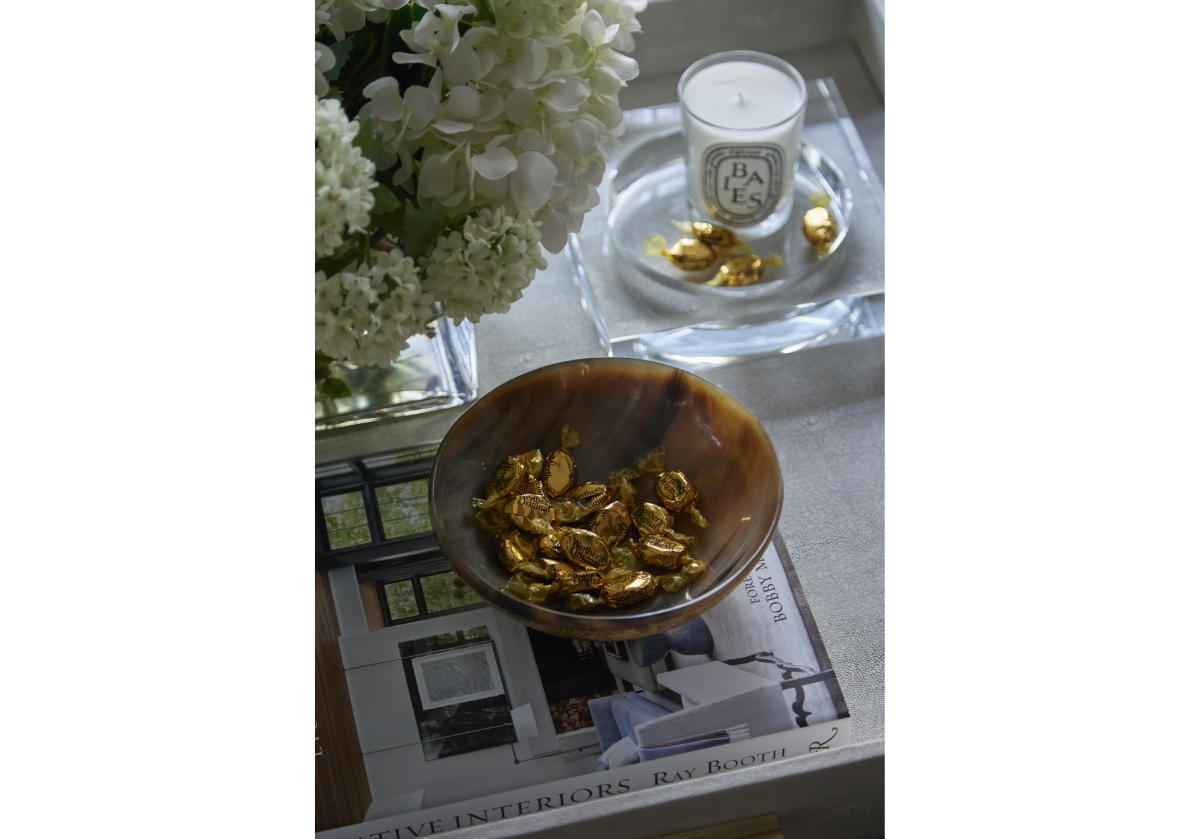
{"points": [[401, 19], [388, 214], [366, 55], [335, 388], [393, 225], [391, 42], [422, 227], [369, 138], [397, 22], [361, 66], [341, 53], [345, 255], [386, 200]]}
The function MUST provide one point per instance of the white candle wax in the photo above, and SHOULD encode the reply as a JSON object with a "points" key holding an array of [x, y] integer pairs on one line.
{"points": [[744, 95], [742, 114]]}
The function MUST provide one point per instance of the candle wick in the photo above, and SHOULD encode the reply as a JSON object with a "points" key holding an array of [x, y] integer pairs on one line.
{"points": [[740, 99]]}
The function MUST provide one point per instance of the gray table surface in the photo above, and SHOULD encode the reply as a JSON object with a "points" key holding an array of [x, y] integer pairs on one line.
{"points": [[824, 411]]}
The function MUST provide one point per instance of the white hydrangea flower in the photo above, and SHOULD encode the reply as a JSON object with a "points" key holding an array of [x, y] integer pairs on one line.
{"points": [[405, 309], [536, 16], [345, 16], [325, 62], [622, 14], [338, 327], [344, 179], [517, 111], [366, 313], [341, 16], [484, 268], [504, 135], [434, 41]]}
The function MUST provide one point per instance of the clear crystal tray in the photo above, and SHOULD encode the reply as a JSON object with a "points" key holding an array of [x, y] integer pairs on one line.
{"points": [[643, 309]]}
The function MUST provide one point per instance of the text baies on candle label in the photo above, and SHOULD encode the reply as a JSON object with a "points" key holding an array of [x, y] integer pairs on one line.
{"points": [[742, 183]]}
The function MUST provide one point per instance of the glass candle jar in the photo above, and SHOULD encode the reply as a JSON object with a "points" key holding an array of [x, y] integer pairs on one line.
{"points": [[742, 116]]}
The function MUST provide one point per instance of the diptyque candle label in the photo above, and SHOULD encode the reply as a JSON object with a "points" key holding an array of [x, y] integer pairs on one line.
{"points": [[742, 183]]}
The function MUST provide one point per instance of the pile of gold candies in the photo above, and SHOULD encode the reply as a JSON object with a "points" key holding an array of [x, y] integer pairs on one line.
{"points": [[739, 265], [589, 544]]}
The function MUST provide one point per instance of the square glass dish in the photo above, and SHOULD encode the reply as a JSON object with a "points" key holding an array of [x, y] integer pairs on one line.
{"points": [[644, 307]]}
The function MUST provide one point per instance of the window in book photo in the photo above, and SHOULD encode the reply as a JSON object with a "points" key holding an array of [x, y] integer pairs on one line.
{"points": [[400, 510], [420, 596], [345, 520], [457, 693], [404, 508], [401, 600], [572, 672]]}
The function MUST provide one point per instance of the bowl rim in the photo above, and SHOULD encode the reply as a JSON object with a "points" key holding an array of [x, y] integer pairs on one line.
{"points": [[604, 625]]}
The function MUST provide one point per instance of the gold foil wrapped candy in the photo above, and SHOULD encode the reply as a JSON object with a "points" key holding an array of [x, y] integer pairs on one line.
{"points": [[661, 552], [652, 519], [492, 519], [567, 510], [622, 488], [582, 601], [569, 579], [534, 465], [671, 583], [514, 476], [678, 495], [717, 238], [515, 548], [530, 512], [509, 475], [590, 496], [820, 229], [539, 568], [549, 546], [652, 462], [559, 470], [532, 486], [741, 266], [624, 588], [746, 269], [625, 556], [621, 480], [533, 462], [611, 523], [559, 473], [674, 490], [685, 254], [534, 592], [584, 548]]}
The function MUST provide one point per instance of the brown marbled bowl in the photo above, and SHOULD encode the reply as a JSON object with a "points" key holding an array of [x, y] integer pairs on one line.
{"points": [[621, 408]]}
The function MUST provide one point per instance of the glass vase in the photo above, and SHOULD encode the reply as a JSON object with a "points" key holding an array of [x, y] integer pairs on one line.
{"points": [[438, 370]]}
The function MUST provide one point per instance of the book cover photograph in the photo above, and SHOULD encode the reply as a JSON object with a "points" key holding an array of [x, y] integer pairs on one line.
{"points": [[435, 711]]}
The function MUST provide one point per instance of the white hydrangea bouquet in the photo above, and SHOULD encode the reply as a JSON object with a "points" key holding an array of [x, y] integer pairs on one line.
{"points": [[454, 141]]}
